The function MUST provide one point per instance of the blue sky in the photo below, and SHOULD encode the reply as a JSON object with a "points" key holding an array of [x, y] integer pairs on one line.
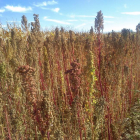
{"points": [[73, 14]]}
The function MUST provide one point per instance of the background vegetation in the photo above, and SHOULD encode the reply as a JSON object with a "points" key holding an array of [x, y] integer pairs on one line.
{"points": [[66, 85]]}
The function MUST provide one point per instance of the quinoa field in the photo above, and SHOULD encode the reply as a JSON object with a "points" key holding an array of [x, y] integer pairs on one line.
{"points": [[68, 85]]}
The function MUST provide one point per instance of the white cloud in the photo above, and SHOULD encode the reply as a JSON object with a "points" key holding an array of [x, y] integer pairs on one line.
{"points": [[55, 10], [87, 16], [72, 20], [61, 14], [4, 26], [2, 10], [45, 3], [72, 16], [84, 20], [40, 4], [83, 16], [108, 17], [81, 25], [131, 13], [18, 8], [46, 17], [118, 25], [108, 21], [14, 21], [125, 6], [57, 21], [52, 2]]}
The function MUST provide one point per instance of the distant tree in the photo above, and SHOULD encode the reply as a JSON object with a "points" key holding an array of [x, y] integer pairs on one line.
{"points": [[131, 31], [125, 33]]}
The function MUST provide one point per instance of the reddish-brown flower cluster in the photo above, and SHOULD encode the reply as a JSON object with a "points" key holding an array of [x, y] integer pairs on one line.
{"points": [[75, 79], [29, 84], [30, 88]]}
